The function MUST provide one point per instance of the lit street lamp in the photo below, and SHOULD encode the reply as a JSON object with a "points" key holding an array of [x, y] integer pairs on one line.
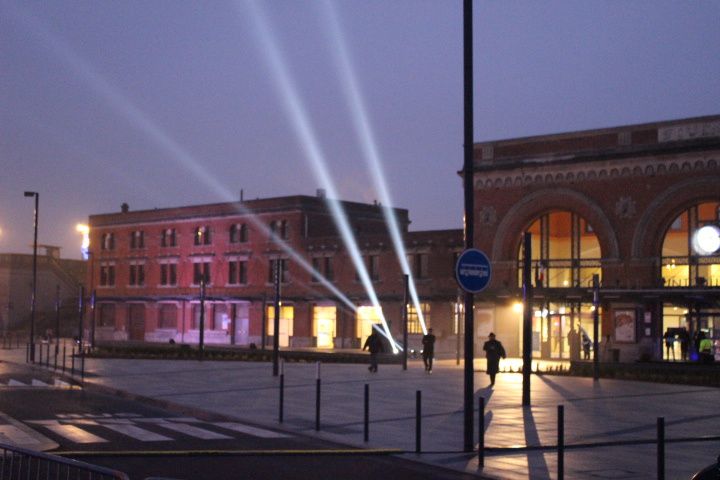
{"points": [[34, 282]]}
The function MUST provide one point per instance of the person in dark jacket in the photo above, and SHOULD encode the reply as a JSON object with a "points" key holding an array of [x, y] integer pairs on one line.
{"points": [[494, 351], [428, 342], [374, 345]]}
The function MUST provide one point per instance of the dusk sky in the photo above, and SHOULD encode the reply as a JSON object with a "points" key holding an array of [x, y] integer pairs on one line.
{"points": [[171, 103]]}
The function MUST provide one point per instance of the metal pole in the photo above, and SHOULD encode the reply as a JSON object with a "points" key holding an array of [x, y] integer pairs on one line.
{"points": [[276, 320], [92, 320], [561, 441], [458, 327], [34, 282], [418, 421], [57, 322], [317, 398], [596, 325], [405, 322], [661, 448], [366, 423], [481, 432], [81, 311], [201, 346], [468, 168], [263, 333], [282, 391], [527, 317]]}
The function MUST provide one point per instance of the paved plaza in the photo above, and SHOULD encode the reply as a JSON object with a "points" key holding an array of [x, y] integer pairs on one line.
{"points": [[619, 415]]}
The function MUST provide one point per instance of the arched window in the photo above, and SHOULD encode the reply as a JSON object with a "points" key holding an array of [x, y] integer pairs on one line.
{"points": [[565, 251], [682, 266]]}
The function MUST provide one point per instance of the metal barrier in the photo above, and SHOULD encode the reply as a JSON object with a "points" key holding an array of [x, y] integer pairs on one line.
{"points": [[21, 463]]}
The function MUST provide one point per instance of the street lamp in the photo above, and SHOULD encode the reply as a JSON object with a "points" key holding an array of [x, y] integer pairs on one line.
{"points": [[34, 283]]}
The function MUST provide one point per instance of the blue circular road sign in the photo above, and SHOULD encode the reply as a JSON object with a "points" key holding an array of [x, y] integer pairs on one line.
{"points": [[473, 271]]}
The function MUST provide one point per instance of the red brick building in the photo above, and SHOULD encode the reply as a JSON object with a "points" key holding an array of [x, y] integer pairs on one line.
{"points": [[147, 268], [620, 202]]}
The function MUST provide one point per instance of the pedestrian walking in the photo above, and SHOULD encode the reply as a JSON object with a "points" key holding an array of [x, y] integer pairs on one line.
{"points": [[428, 342], [374, 344], [494, 351]]}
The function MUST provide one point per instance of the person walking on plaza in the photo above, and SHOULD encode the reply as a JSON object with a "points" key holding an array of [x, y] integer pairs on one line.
{"points": [[374, 345], [428, 342], [494, 351]]}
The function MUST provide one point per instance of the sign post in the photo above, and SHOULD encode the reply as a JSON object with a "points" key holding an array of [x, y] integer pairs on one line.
{"points": [[472, 272]]}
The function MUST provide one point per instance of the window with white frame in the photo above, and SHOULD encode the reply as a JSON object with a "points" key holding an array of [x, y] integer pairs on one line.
{"points": [[202, 235], [136, 276], [168, 273], [237, 271], [201, 272], [168, 238], [107, 274], [137, 239]]}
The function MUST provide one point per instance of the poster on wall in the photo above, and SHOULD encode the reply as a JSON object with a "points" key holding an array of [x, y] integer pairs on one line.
{"points": [[624, 326]]}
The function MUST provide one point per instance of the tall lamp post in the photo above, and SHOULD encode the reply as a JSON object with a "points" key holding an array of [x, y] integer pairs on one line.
{"points": [[34, 281]]}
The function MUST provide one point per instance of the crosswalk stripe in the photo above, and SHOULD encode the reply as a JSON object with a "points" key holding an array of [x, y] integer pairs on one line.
{"points": [[14, 436], [15, 383], [190, 430], [137, 433], [257, 432], [38, 383], [71, 432]]}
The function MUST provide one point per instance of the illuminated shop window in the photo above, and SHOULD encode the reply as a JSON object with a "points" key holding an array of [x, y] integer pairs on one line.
{"points": [[414, 320], [682, 264], [287, 314]]}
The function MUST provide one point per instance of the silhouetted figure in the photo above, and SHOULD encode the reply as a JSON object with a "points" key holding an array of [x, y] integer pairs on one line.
{"points": [[428, 353], [374, 345], [494, 351], [669, 340]]}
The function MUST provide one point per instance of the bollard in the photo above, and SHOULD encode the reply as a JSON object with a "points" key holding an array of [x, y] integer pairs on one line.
{"points": [[481, 432], [661, 448], [72, 361], [561, 441], [64, 353], [418, 416], [282, 391], [40, 360], [317, 398], [366, 424], [47, 356], [82, 368]]}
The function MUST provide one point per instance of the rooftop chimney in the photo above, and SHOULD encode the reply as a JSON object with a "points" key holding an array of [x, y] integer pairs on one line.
{"points": [[124, 208]]}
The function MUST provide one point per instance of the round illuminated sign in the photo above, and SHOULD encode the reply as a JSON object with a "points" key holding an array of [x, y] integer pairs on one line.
{"points": [[706, 240]]}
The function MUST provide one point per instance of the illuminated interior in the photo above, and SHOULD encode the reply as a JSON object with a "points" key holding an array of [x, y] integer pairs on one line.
{"points": [[551, 324], [681, 266], [367, 316], [287, 314], [565, 251], [324, 325]]}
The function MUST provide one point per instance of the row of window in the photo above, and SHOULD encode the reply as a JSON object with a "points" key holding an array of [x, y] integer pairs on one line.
{"points": [[238, 271], [202, 235], [218, 317]]}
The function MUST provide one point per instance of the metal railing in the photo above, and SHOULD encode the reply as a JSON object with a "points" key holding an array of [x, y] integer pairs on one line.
{"points": [[21, 463]]}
